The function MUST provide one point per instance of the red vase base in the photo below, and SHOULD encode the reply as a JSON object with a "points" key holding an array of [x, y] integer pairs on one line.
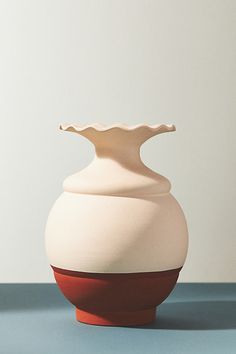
{"points": [[121, 318], [116, 299]]}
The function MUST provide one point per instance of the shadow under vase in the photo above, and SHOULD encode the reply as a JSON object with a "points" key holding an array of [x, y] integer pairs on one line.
{"points": [[195, 315]]}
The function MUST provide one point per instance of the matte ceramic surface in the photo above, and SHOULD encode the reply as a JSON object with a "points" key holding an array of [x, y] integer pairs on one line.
{"points": [[116, 238], [117, 215], [116, 299]]}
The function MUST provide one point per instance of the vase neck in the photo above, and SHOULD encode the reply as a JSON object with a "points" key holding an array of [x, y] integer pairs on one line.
{"points": [[125, 154], [117, 168]]}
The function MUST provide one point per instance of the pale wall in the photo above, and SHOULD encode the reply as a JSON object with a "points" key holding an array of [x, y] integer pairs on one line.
{"points": [[108, 61]]}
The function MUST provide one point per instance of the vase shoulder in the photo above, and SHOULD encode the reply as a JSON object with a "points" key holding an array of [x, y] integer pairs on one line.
{"points": [[108, 178]]}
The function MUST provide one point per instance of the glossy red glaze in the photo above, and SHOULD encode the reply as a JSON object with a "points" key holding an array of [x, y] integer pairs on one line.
{"points": [[116, 299]]}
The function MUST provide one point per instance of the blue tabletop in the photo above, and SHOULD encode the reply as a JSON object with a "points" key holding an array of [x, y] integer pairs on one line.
{"points": [[196, 318]]}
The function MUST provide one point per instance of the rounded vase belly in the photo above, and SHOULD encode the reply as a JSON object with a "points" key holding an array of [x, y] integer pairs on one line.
{"points": [[110, 234]]}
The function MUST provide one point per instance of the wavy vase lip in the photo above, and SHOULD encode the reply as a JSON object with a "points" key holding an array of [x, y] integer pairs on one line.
{"points": [[118, 134], [155, 128]]}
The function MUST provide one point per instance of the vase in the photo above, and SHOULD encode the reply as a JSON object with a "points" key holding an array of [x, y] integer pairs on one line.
{"points": [[116, 238]]}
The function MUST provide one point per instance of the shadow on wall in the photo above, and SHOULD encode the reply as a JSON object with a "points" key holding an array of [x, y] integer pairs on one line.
{"points": [[202, 315]]}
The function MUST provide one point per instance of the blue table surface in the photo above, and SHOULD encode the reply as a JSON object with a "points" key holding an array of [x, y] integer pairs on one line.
{"points": [[196, 318]]}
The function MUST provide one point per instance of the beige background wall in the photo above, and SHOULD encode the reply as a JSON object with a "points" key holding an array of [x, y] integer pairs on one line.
{"points": [[107, 61]]}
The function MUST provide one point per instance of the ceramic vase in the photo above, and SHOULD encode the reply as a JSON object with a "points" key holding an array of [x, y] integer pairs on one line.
{"points": [[116, 238]]}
